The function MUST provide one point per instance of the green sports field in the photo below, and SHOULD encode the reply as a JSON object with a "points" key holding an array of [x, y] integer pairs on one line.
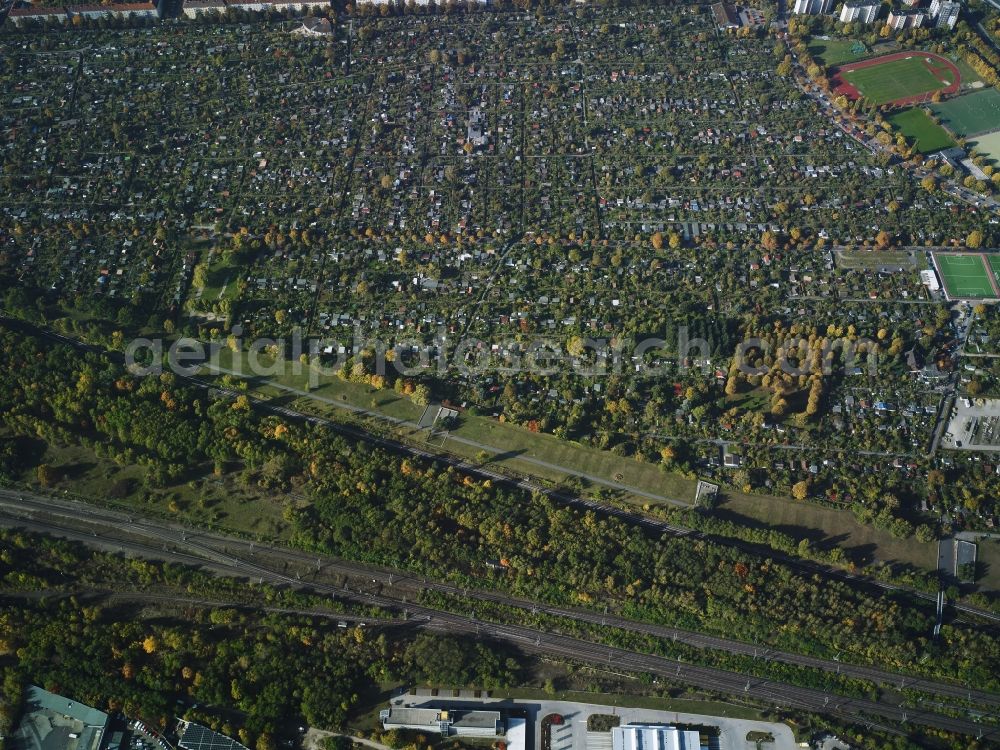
{"points": [[964, 275], [896, 79], [914, 123], [995, 266], [973, 113], [988, 144], [837, 51]]}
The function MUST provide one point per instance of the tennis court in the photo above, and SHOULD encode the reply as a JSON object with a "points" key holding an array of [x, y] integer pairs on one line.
{"points": [[965, 275], [971, 113]]}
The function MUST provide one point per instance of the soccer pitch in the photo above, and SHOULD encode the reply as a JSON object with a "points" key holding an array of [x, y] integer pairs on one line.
{"points": [[995, 266], [896, 79], [966, 276], [914, 123], [972, 113]]}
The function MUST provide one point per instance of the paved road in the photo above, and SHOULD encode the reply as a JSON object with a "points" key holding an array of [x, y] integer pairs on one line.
{"points": [[962, 416], [943, 417], [233, 556], [573, 734], [314, 737]]}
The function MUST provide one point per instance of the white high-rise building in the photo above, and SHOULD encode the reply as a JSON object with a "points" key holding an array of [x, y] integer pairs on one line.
{"points": [[946, 12], [859, 11], [812, 7]]}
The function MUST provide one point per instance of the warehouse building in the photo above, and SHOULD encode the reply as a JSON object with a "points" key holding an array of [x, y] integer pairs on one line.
{"points": [[654, 737]]}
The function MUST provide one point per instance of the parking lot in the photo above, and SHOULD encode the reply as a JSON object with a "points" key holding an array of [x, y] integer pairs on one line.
{"points": [[974, 425]]}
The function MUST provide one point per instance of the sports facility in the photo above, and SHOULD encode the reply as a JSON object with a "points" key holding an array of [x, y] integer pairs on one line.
{"points": [[968, 275], [994, 261], [988, 144], [914, 123], [901, 78], [836, 51], [970, 114]]}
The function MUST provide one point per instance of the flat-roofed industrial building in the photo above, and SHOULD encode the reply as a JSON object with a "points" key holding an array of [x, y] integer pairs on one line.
{"points": [[654, 737], [458, 722]]}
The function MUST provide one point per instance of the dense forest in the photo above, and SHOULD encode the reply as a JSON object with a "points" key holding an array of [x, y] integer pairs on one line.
{"points": [[248, 673], [368, 504]]}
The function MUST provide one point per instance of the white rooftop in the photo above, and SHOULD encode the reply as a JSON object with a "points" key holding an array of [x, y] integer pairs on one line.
{"points": [[517, 734], [653, 737]]}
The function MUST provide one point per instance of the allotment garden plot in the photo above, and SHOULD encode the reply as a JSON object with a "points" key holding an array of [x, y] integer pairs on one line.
{"points": [[594, 173]]}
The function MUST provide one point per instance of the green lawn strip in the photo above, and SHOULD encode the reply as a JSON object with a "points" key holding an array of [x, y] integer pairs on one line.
{"points": [[202, 499], [817, 523], [988, 564], [835, 51], [519, 441], [513, 444], [969, 75], [874, 259], [915, 124], [222, 280]]}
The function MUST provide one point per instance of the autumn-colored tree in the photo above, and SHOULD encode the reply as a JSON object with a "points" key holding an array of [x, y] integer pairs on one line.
{"points": [[421, 395], [47, 475], [769, 241]]}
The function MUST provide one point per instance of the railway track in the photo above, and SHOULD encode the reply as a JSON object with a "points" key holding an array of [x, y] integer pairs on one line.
{"points": [[236, 557]]}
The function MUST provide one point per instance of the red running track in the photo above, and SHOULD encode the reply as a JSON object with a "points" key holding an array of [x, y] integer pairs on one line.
{"points": [[840, 86]]}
